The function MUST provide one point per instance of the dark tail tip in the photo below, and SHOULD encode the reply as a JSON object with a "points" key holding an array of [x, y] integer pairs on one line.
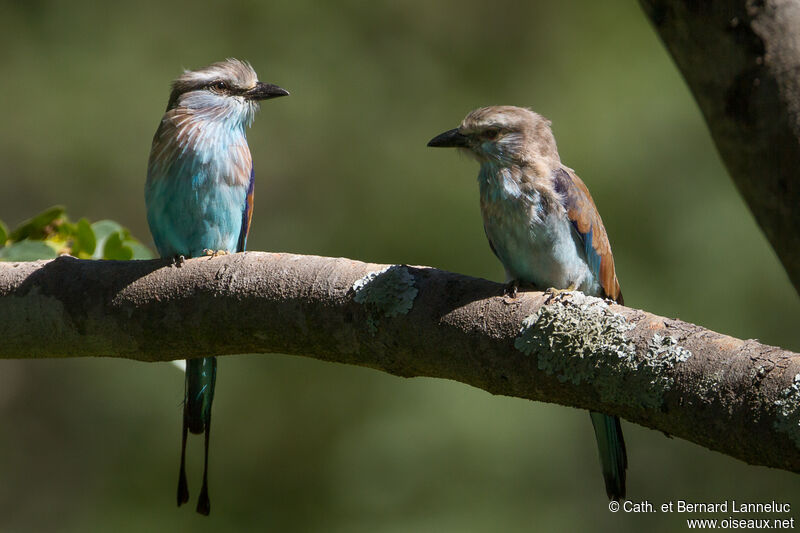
{"points": [[183, 486], [203, 503], [183, 489], [615, 488]]}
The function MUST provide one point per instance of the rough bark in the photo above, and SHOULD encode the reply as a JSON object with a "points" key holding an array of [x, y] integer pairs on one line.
{"points": [[739, 397], [741, 60]]}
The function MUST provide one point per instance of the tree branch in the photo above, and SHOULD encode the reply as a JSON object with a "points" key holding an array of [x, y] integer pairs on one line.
{"points": [[739, 397], [741, 60]]}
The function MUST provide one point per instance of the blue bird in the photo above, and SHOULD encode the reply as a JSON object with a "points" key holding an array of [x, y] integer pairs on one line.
{"points": [[199, 196], [542, 224]]}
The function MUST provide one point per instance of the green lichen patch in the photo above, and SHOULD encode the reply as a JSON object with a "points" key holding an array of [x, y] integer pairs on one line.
{"points": [[579, 339], [788, 420], [387, 293]]}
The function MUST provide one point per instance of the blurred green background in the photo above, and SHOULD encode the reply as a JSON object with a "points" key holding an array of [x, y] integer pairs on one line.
{"points": [[342, 170]]}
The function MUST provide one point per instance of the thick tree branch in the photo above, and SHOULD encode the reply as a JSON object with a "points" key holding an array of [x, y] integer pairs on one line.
{"points": [[741, 59], [738, 397]]}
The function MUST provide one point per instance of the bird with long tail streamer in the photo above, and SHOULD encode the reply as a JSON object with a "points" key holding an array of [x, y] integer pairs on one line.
{"points": [[543, 225], [199, 197]]}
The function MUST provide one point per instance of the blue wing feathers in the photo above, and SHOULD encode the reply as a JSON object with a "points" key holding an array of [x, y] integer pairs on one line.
{"points": [[589, 229], [592, 257], [591, 254], [247, 213], [564, 186]]}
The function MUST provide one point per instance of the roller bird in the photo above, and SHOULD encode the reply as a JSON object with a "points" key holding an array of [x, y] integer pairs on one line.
{"points": [[199, 197], [544, 227]]}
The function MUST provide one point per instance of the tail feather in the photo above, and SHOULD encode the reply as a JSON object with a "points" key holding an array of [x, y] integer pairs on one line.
{"points": [[203, 503], [201, 375], [183, 486], [613, 458]]}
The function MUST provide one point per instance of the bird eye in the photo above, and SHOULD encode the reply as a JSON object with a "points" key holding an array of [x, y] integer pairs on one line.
{"points": [[219, 85], [491, 133]]}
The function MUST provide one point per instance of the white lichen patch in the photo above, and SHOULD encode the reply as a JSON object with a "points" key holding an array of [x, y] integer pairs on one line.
{"points": [[579, 339], [582, 327], [709, 385], [663, 353], [788, 420], [389, 292]]}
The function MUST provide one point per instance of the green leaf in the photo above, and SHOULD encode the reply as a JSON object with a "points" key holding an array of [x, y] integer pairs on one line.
{"points": [[84, 239], [27, 250], [66, 229], [105, 239], [140, 251], [103, 229], [35, 228], [57, 246], [115, 249]]}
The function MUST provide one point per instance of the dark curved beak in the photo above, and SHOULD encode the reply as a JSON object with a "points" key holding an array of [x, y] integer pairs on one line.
{"points": [[449, 139], [265, 91]]}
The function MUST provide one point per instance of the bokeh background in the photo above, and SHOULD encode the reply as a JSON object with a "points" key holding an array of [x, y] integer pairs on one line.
{"points": [[342, 170]]}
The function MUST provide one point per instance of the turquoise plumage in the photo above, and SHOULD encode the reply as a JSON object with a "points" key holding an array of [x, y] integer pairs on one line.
{"points": [[199, 197]]}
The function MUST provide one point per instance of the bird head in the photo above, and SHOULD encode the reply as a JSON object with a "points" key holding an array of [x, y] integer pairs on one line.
{"points": [[227, 90], [503, 135]]}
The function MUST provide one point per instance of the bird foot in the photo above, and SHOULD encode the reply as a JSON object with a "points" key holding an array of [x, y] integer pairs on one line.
{"points": [[178, 260], [553, 293], [511, 289], [215, 253]]}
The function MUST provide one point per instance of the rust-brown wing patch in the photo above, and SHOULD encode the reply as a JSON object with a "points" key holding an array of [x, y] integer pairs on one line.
{"points": [[587, 222]]}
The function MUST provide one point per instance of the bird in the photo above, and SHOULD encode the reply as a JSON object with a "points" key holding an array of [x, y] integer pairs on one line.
{"points": [[199, 200], [543, 225]]}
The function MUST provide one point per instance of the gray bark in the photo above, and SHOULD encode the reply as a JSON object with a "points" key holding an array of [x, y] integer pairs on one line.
{"points": [[741, 60], [739, 397]]}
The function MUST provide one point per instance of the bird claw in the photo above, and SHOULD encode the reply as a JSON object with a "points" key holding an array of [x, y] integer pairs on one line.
{"points": [[553, 293], [178, 260], [215, 253], [511, 289]]}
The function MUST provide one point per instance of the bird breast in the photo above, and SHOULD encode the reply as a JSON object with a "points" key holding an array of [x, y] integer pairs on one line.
{"points": [[531, 233], [196, 188]]}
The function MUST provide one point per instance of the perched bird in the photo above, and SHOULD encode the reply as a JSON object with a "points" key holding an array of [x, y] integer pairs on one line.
{"points": [[199, 196], [543, 225]]}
